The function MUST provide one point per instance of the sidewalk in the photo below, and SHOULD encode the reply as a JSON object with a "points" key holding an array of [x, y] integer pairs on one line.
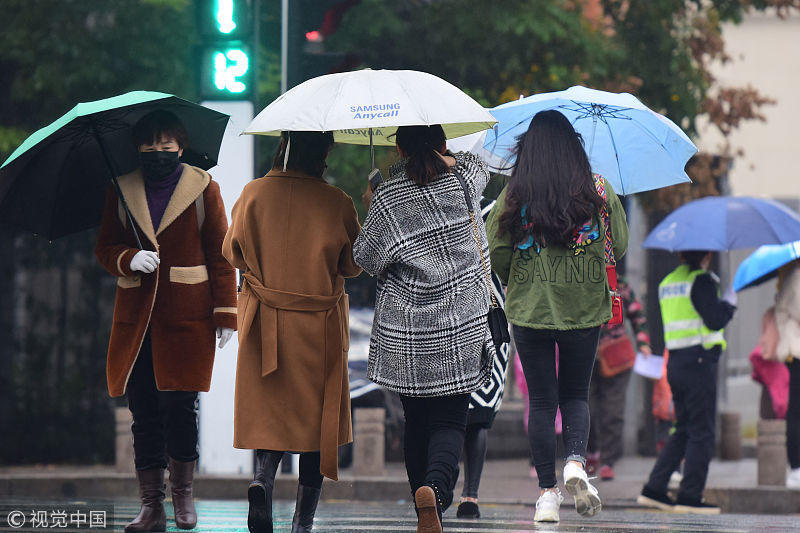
{"points": [[731, 484]]}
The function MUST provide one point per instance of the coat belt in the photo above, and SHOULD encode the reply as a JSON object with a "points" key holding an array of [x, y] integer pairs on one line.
{"points": [[271, 303]]}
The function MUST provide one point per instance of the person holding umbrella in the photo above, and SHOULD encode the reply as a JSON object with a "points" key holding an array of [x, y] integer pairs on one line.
{"points": [[292, 238], [430, 338], [694, 317], [553, 231], [171, 298]]}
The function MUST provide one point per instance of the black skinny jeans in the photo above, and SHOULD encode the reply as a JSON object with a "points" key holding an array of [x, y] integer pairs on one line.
{"points": [[474, 457], [434, 436], [164, 422], [793, 415], [569, 390]]}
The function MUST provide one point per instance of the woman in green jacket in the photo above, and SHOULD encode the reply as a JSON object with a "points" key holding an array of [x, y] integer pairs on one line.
{"points": [[546, 236]]}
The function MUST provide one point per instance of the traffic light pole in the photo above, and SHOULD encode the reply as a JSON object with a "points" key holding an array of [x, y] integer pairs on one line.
{"points": [[284, 44]]}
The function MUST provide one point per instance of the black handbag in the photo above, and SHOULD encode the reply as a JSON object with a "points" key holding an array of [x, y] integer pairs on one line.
{"points": [[498, 324]]}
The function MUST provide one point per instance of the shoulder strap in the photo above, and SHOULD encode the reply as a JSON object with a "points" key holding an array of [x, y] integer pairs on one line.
{"points": [[468, 200], [600, 185]]}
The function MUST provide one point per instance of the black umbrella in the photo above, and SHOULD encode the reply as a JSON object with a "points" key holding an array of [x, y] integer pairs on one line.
{"points": [[55, 183]]}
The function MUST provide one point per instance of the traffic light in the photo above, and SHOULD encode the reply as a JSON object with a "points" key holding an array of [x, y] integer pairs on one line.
{"points": [[310, 23], [225, 55]]}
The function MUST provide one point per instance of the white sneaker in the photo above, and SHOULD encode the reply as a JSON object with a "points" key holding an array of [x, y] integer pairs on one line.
{"points": [[793, 479], [547, 506], [675, 481], [587, 501]]}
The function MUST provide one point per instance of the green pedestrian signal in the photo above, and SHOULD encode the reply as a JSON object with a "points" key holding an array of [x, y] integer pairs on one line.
{"points": [[225, 55]]}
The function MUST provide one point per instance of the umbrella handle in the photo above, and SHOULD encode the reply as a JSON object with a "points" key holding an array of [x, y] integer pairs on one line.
{"points": [[113, 172], [371, 149]]}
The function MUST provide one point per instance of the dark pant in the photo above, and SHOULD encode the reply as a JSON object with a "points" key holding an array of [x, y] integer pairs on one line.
{"points": [[474, 457], [164, 422], [434, 436], [607, 406], [569, 390], [310, 475], [692, 376], [793, 415]]}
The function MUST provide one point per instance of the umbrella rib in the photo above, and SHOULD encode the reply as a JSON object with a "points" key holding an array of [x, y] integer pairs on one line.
{"points": [[335, 98], [616, 154]]}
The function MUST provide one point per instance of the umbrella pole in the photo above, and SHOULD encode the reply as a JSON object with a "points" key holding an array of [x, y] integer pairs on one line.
{"points": [[110, 166], [371, 150]]}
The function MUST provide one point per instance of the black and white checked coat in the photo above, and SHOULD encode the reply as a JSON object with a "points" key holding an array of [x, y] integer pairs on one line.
{"points": [[430, 335]]}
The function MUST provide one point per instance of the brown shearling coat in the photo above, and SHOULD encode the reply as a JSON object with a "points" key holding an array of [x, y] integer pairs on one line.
{"points": [[192, 292], [293, 237]]}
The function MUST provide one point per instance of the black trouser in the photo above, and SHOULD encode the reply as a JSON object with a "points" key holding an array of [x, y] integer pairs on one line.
{"points": [[692, 376], [434, 436], [547, 392], [164, 422], [474, 457], [793, 415], [607, 407]]}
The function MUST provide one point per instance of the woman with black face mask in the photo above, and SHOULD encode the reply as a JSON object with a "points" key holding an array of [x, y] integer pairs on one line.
{"points": [[172, 297]]}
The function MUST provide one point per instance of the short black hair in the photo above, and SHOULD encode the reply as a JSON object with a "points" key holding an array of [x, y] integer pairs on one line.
{"points": [[157, 124], [693, 258]]}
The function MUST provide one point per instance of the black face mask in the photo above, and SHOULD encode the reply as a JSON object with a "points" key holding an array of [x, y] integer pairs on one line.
{"points": [[158, 165]]}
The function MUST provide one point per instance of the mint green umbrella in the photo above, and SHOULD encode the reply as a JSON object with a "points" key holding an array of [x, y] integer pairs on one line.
{"points": [[55, 182]]}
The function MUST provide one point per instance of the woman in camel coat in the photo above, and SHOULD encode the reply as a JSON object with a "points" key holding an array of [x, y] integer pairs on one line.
{"points": [[291, 237]]}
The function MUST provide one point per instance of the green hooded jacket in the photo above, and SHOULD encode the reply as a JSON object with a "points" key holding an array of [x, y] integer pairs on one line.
{"points": [[559, 287]]}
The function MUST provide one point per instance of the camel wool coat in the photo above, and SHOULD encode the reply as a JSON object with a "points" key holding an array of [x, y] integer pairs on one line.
{"points": [[191, 293], [292, 237]]}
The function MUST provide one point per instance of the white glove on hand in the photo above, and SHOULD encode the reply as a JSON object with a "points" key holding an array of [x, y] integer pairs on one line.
{"points": [[730, 296], [224, 335], [145, 261]]}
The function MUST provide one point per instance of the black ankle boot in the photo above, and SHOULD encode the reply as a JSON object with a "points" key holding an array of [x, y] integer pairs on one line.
{"points": [[259, 493], [307, 500]]}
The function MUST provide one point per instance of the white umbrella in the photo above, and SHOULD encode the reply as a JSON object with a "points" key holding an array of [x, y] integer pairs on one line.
{"points": [[474, 143], [367, 106]]}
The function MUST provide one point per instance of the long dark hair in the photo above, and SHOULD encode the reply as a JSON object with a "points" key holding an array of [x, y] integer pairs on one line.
{"points": [[307, 151], [419, 143], [552, 177]]}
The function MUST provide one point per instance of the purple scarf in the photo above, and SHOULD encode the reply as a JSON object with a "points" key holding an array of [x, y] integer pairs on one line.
{"points": [[158, 194]]}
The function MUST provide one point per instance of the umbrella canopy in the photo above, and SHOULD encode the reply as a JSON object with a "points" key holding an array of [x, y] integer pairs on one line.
{"points": [[474, 143], [725, 223], [55, 183], [367, 106], [633, 147], [763, 264]]}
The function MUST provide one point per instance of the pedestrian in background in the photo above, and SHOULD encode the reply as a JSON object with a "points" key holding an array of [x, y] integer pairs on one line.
{"points": [[547, 235], [292, 237], [787, 319], [612, 372], [430, 338], [172, 297], [694, 317]]}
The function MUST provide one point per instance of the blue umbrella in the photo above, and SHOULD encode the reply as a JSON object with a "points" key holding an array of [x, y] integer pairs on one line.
{"points": [[633, 147], [763, 264], [725, 223]]}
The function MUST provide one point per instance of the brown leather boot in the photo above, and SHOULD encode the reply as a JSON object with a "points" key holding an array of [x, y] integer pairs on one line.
{"points": [[181, 476], [152, 491]]}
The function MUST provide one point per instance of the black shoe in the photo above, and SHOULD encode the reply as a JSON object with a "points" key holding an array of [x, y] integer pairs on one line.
{"points": [[259, 518], [658, 500], [686, 505], [305, 508], [468, 510]]}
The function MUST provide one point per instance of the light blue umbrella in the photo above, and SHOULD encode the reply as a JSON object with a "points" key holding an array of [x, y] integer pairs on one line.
{"points": [[725, 223], [633, 147], [763, 264]]}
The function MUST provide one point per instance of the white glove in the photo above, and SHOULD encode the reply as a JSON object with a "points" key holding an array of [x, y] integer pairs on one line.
{"points": [[730, 296], [145, 261], [224, 335]]}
